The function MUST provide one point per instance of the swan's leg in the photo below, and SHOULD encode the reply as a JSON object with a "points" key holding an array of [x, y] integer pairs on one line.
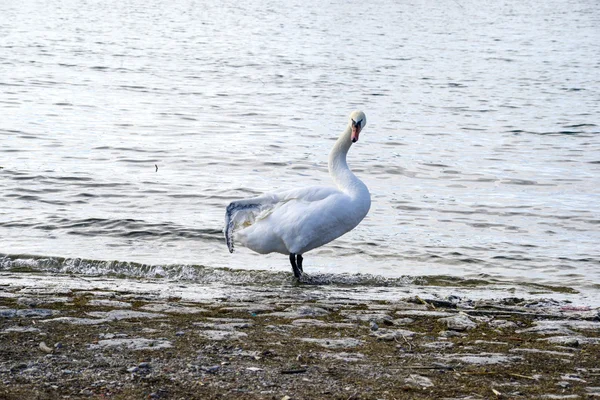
{"points": [[299, 262], [297, 272]]}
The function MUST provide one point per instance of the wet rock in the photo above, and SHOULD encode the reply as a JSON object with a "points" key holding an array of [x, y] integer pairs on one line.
{"points": [[171, 308], [439, 345], [378, 318], [20, 329], [593, 391], [450, 334], [298, 312], [459, 322], [250, 308], [46, 291], [316, 322], [560, 327], [424, 313], [502, 324], [36, 313], [335, 343], [230, 326], [419, 381], [222, 335], [571, 341], [403, 321], [77, 321], [132, 344], [27, 313], [493, 342], [538, 351], [8, 313], [343, 356], [109, 335], [38, 301], [547, 328], [116, 315], [481, 358], [108, 303], [572, 377], [392, 334]]}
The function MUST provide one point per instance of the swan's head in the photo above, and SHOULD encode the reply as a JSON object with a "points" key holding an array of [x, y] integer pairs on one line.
{"points": [[358, 120]]}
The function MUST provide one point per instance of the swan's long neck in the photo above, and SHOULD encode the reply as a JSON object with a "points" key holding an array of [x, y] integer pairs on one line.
{"points": [[345, 180]]}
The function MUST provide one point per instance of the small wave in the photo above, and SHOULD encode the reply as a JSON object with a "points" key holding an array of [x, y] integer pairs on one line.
{"points": [[183, 272], [202, 274]]}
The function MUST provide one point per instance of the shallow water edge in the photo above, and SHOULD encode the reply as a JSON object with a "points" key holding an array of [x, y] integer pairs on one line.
{"points": [[198, 282]]}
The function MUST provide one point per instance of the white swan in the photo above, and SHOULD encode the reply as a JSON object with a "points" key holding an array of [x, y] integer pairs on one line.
{"points": [[299, 220]]}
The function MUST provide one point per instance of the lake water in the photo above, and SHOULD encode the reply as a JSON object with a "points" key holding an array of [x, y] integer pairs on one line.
{"points": [[128, 126]]}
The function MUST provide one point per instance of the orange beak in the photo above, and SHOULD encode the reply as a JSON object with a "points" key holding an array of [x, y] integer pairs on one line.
{"points": [[355, 133]]}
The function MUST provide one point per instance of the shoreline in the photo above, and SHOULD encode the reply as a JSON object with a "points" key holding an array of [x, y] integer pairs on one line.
{"points": [[122, 339]]}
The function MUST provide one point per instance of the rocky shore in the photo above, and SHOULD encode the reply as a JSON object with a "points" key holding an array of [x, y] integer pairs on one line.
{"points": [[114, 339]]}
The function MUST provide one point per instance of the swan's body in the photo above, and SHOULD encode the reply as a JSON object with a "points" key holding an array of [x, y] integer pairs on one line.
{"points": [[299, 220]]}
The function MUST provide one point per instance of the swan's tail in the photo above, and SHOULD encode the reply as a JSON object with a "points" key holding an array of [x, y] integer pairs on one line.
{"points": [[243, 213], [237, 214]]}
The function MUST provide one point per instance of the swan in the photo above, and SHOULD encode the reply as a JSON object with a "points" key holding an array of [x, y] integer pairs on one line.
{"points": [[293, 222]]}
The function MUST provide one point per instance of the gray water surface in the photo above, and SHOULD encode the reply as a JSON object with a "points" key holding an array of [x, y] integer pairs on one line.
{"points": [[127, 126]]}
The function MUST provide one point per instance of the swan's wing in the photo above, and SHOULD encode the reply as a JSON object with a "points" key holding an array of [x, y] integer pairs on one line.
{"points": [[243, 213]]}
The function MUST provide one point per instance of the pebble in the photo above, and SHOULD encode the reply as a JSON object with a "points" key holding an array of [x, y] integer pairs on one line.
{"points": [[117, 315], [459, 322], [27, 313], [439, 345], [502, 324], [21, 329], [45, 348], [450, 334], [132, 344], [77, 321], [424, 313], [392, 334], [538, 351], [403, 321], [108, 303], [481, 358], [419, 381], [212, 334]]}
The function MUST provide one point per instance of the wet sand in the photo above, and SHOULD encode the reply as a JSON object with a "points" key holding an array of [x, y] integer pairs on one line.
{"points": [[121, 339]]}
